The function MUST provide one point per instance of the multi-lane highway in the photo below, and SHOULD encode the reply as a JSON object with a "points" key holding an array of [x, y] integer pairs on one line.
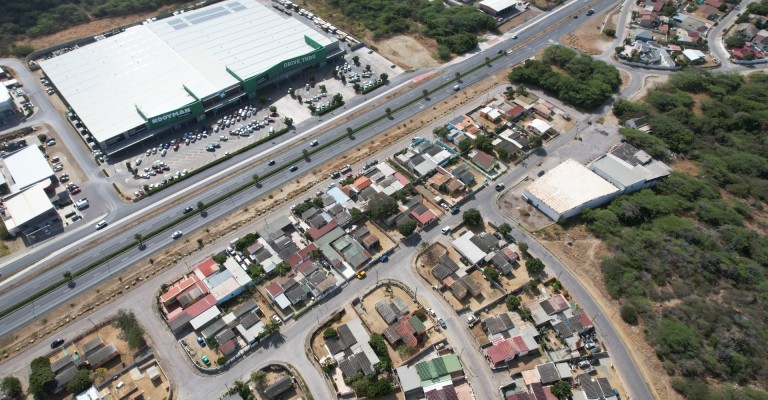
{"points": [[538, 33]]}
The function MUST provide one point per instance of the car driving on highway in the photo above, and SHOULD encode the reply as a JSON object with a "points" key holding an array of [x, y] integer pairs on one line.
{"points": [[176, 235]]}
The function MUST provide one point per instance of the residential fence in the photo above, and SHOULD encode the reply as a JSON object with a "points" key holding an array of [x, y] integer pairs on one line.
{"points": [[649, 66]]}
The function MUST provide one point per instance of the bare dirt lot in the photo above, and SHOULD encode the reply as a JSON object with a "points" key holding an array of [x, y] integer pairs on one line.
{"points": [[581, 252], [589, 38], [371, 317], [407, 52]]}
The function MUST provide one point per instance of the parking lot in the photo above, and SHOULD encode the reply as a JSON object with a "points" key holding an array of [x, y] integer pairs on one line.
{"points": [[193, 147]]}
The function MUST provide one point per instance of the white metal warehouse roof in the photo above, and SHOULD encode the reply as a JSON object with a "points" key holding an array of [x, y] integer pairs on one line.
{"points": [[569, 185], [498, 5], [27, 167], [146, 66]]}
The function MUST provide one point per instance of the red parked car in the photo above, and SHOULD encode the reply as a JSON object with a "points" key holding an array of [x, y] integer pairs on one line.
{"points": [[74, 190]]}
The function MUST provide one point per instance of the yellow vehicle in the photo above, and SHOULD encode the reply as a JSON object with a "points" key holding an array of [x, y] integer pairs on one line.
{"points": [[361, 275]]}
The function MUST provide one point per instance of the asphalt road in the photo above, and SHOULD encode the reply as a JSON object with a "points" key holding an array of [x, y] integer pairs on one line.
{"points": [[29, 313]]}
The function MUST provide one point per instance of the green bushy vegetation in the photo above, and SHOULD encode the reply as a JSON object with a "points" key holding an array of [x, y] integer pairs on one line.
{"points": [[690, 255], [42, 17], [454, 28], [574, 78]]}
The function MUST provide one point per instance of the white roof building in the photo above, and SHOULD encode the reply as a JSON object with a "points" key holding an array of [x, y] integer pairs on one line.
{"points": [[694, 55], [469, 250], [24, 207], [495, 7], [567, 189], [157, 68], [539, 126], [25, 168]]}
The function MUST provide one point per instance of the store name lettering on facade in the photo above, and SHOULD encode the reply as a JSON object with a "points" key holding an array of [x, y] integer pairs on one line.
{"points": [[298, 61], [177, 113]]}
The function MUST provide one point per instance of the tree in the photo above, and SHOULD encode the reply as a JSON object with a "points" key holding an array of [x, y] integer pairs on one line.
{"points": [[561, 390], [523, 247], [629, 314], [382, 387], [465, 145], [488, 61], [425, 93], [299, 99], [201, 207], [11, 387], [221, 360], [381, 206], [273, 110], [534, 265], [535, 141], [330, 333], [484, 143], [505, 229], [472, 217], [356, 87], [513, 302], [80, 382], [350, 132], [255, 179], [356, 60], [288, 122], [272, 327], [407, 228], [241, 388], [22, 51], [42, 380], [734, 42], [458, 76], [305, 152], [355, 213], [522, 90], [609, 32], [69, 277], [323, 89], [140, 239], [338, 98], [367, 67], [388, 111], [491, 273], [283, 268], [259, 379], [501, 152], [384, 77]]}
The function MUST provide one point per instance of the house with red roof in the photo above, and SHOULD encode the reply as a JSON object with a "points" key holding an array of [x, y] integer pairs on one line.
{"points": [[206, 269], [362, 183], [317, 233], [515, 112]]}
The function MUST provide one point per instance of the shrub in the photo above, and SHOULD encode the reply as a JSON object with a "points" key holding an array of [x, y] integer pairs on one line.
{"points": [[629, 314]]}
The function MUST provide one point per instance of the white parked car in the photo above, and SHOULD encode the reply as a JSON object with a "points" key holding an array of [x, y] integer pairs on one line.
{"points": [[137, 162]]}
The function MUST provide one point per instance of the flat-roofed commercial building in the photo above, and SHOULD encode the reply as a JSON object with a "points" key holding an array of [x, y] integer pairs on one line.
{"points": [[171, 72], [567, 189]]}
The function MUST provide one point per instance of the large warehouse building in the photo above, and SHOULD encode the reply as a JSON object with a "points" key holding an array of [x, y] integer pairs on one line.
{"points": [[137, 84], [567, 189]]}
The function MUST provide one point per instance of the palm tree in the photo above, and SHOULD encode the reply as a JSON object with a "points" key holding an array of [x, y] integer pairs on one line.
{"points": [[256, 179], [350, 132], [69, 277], [272, 327], [458, 75], [305, 152], [201, 207], [425, 92], [388, 111], [139, 238], [488, 61]]}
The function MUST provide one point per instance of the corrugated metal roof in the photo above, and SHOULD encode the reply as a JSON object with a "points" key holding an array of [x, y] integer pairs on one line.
{"points": [[569, 185]]}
